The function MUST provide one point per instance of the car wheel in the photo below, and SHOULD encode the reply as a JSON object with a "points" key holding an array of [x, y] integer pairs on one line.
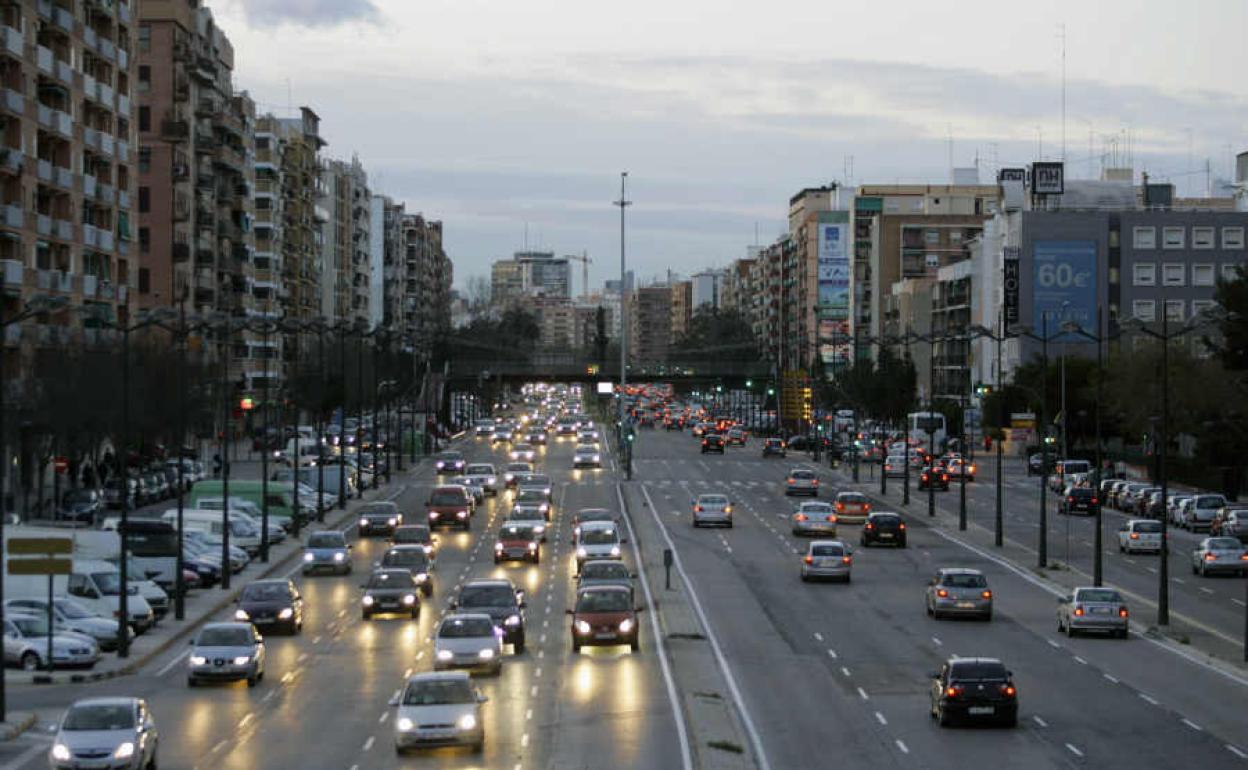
{"points": [[1010, 721], [576, 646], [518, 646], [537, 558], [252, 680], [366, 616], [987, 617], [190, 681], [151, 763], [635, 645], [927, 607], [945, 718], [848, 578], [416, 614], [1194, 570], [805, 578], [496, 560], [30, 662], [1060, 627]]}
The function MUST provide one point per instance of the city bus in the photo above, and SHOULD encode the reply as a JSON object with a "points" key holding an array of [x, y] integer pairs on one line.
{"points": [[927, 426]]}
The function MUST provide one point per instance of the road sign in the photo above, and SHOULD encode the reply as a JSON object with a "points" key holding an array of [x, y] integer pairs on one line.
{"points": [[40, 566], [40, 546], [60, 464]]}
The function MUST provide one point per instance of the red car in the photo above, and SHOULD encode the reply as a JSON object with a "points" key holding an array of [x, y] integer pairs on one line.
{"points": [[449, 506], [604, 615], [518, 542]]}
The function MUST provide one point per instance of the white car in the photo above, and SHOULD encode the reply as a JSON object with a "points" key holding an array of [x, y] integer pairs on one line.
{"points": [[598, 540], [26, 644], [439, 709], [814, 518], [1198, 513], [483, 475], [467, 640], [524, 516], [105, 732], [522, 453], [1140, 535], [712, 509], [586, 456]]}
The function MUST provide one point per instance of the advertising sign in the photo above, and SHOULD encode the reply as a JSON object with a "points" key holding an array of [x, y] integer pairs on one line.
{"points": [[1064, 287], [1048, 178], [1010, 284], [833, 271]]}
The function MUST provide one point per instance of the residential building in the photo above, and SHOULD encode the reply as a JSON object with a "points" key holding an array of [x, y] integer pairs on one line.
{"points": [[682, 308], [345, 234], [737, 288], [506, 282], [649, 325], [610, 301], [585, 331], [388, 217], [426, 306], [556, 319], [707, 288], [530, 274]]}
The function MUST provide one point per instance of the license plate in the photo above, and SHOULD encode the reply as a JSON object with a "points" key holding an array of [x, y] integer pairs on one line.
{"points": [[607, 635], [965, 605], [886, 536], [1100, 610], [980, 710], [826, 562]]}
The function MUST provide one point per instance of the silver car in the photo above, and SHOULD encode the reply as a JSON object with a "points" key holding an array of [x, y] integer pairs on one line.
{"points": [[814, 518], [712, 509], [1093, 609], [327, 551], [802, 481], [535, 481], [605, 573], [468, 640], [439, 709], [527, 516], [483, 475], [586, 456], [69, 615], [522, 453], [1219, 554], [598, 540], [476, 490], [26, 644], [958, 591], [113, 733], [226, 652], [827, 559], [535, 500]]}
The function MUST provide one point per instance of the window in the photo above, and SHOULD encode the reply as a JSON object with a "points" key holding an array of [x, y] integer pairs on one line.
{"points": [[1175, 309], [145, 37], [1113, 275], [145, 118], [955, 236], [931, 237], [145, 281], [1145, 238], [145, 77], [1230, 272], [1232, 237], [1202, 306], [1144, 309], [145, 159], [145, 199], [1172, 237], [1172, 274], [1113, 238], [145, 240], [1144, 274], [1202, 237], [1202, 275]]}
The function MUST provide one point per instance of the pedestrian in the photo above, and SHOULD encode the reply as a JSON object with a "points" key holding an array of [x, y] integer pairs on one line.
{"points": [[987, 442], [216, 465]]}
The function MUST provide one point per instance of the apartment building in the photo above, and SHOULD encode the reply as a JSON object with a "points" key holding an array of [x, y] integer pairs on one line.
{"points": [[649, 325], [346, 273], [737, 288], [388, 239], [682, 308], [426, 306]]}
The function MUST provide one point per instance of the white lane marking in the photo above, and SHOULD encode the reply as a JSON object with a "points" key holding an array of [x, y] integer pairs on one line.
{"points": [[844, 671], [316, 639], [1236, 751], [1207, 590], [901, 746], [384, 716], [537, 673], [863, 694], [246, 718], [1151, 700], [832, 654], [1053, 644], [528, 714], [1074, 750], [1192, 724], [1240, 602], [686, 754], [176, 660], [880, 718], [937, 642], [818, 637], [1110, 678], [368, 744], [1039, 721], [25, 756], [1180, 581], [220, 745], [524, 741], [1080, 661], [533, 691], [268, 696]]}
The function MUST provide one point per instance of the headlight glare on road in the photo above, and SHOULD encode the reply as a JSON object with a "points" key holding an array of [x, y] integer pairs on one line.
{"points": [[241, 615], [340, 556], [626, 625], [286, 614], [198, 660], [467, 722], [124, 751], [404, 724], [60, 752], [308, 557], [486, 654], [409, 598], [367, 600], [582, 627], [445, 655], [512, 620], [242, 660]]}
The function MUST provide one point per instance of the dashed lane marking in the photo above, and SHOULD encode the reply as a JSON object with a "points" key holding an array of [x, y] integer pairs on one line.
{"points": [[901, 746], [1149, 699], [1074, 750], [880, 718], [1192, 724], [368, 744], [1036, 718]]}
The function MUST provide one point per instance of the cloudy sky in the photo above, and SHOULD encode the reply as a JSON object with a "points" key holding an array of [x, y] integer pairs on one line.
{"points": [[502, 117]]}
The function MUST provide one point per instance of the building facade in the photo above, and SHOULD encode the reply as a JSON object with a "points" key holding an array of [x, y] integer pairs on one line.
{"points": [[346, 259], [682, 308], [649, 325]]}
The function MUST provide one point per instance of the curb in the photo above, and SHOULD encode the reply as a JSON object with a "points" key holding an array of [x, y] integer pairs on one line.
{"points": [[11, 729]]}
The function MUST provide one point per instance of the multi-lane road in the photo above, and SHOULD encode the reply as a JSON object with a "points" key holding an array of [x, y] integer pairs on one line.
{"points": [[808, 675]]}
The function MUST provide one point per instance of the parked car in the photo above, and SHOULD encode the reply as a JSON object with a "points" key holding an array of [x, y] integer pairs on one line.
{"points": [[81, 506], [1199, 512], [69, 615], [26, 644], [1219, 554], [1231, 521]]}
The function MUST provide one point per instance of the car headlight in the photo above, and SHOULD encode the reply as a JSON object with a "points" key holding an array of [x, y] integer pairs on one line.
{"points": [[340, 556], [241, 615], [404, 724], [597, 459], [532, 546], [512, 620], [422, 577], [60, 752], [486, 654], [409, 598], [428, 549], [308, 557], [615, 550], [582, 627], [539, 529], [392, 521], [626, 625], [367, 600], [363, 522], [440, 465], [198, 660], [286, 614], [462, 514], [581, 553], [491, 481], [242, 660], [468, 721], [498, 546], [433, 514], [543, 507], [445, 654]]}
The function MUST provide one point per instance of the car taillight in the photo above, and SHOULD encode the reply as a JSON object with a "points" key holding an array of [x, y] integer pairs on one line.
{"points": [[971, 469], [1122, 612], [847, 559], [1079, 611], [953, 692], [986, 594], [840, 506], [1210, 557], [868, 525], [942, 593], [1094, 501], [1070, 498], [901, 525], [944, 477], [801, 517], [866, 506], [1135, 535], [809, 560], [1244, 557], [1008, 690], [790, 479], [832, 518]]}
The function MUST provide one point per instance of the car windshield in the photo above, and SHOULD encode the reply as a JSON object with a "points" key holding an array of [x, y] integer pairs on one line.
{"points": [[609, 571], [73, 610], [487, 596], [31, 625], [451, 457], [411, 534], [603, 601], [1099, 595], [585, 516], [1210, 501], [1224, 544], [378, 509], [390, 579], [405, 557], [478, 470], [973, 671], [101, 716], [816, 508], [517, 533], [109, 582], [963, 580], [531, 496], [439, 692], [598, 537], [713, 500], [447, 497], [266, 592], [79, 496], [464, 628], [225, 637], [537, 480], [1148, 527], [327, 540], [827, 550]]}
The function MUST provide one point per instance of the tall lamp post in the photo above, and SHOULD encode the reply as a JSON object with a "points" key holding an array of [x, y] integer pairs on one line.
{"points": [[1042, 551], [625, 447], [998, 338]]}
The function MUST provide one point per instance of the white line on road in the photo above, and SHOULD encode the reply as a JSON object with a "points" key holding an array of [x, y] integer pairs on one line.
{"points": [[524, 740], [1053, 644], [246, 718], [880, 718], [533, 691], [901, 746], [1150, 699], [528, 714], [1074, 750], [1240, 602], [1110, 678], [368, 744], [220, 745], [1180, 581], [384, 716], [1080, 661], [937, 642], [176, 660], [24, 757], [1236, 751], [818, 637], [1207, 590], [1036, 718], [844, 671], [1192, 724], [316, 639], [863, 694], [832, 654], [268, 696]]}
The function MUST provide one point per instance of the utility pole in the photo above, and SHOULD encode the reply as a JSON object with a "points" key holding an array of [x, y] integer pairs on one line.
{"points": [[625, 447]]}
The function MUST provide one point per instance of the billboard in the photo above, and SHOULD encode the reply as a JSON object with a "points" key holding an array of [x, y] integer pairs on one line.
{"points": [[1064, 287], [833, 271], [1010, 284], [1048, 178]]}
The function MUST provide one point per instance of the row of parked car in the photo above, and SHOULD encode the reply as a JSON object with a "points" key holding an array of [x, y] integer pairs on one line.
{"points": [[1193, 511], [152, 484]]}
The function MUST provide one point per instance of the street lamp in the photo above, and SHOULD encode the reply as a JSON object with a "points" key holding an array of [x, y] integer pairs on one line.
{"points": [[1044, 337], [1073, 328], [1001, 336]]}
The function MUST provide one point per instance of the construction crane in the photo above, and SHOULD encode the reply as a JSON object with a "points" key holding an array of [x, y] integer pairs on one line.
{"points": [[585, 261]]}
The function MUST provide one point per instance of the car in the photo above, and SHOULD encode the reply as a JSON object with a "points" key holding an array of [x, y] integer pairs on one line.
{"points": [[974, 688], [589, 437], [502, 601], [585, 515], [802, 481], [934, 477], [390, 591], [113, 496], [1116, 489], [226, 652], [273, 603], [1035, 464], [598, 540], [467, 640], [586, 456], [851, 507], [1219, 554], [957, 591], [712, 509], [895, 465], [416, 534], [736, 437], [605, 572], [536, 437], [439, 709], [1093, 609], [378, 517], [475, 491], [535, 481], [827, 559], [483, 428], [484, 475], [955, 466], [26, 644], [1231, 521], [774, 447], [449, 506], [712, 442], [1140, 535], [81, 506], [1079, 500], [883, 528], [814, 518], [1200, 511], [513, 471], [604, 615], [69, 615], [535, 499], [522, 453], [326, 551], [501, 435], [412, 558], [1174, 509], [518, 542], [109, 732], [449, 463]]}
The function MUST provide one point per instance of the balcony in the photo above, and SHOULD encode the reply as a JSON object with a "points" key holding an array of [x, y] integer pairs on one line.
{"points": [[90, 88], [12, 216], [123, 199], [175, 129], [63, 124], [64, 229], [65, 72], [64, 177], [44, 170], [14, 101], [123, 13], [206, 107], [43, 224], [123, 104], [90, 236], [14, 42], [43, 58], [12, 273], [181, 252], [90, 136], [107, 95], [123, 59], [107, 240], [106, 144], [104, 193], [90, 38], [90, 286], [88, 185], [12, 336], [107, 49]]}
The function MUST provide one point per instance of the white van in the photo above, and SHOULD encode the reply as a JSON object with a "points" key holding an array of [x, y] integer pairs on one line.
{"points": [[304, 449], [242, 533], [95, 583], [249, 512]]}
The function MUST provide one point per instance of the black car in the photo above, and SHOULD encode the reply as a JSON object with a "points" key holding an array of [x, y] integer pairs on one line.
{"points": [[774, 447], [673, 424], [934, 476], [379, 517], [974, 688], [712, 442], [499, 599], [413, 559], [1079, 500], [390, 591], [81, 506], [884, 528], [272, 603], [450, 463]]}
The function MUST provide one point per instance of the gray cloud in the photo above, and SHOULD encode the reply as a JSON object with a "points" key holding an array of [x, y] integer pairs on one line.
{"points": [[310, 13]]}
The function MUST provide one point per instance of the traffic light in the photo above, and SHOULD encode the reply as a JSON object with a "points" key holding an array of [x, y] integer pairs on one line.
{"points": [[246, 403], [983, 390]]}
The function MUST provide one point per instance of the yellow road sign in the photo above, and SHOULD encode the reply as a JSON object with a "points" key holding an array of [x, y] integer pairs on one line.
{"points": [[40, 546]]}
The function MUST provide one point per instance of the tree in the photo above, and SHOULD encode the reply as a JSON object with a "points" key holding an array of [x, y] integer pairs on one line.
{"points": [[716, 334], [1232, 299]]}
